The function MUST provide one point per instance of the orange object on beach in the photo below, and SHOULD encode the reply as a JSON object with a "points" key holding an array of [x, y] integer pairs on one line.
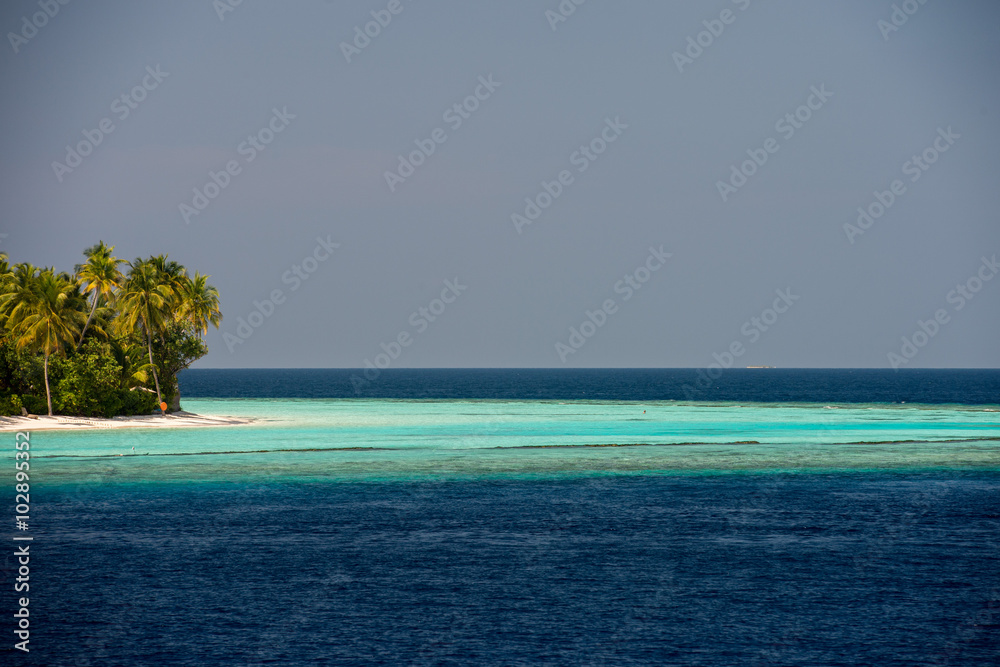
{"points": [[163, 408]]}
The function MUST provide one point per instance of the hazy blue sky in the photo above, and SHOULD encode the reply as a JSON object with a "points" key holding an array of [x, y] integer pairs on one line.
{"points": [[673, 129]]}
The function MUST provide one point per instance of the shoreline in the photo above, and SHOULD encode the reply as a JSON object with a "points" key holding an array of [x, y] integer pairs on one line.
{"points": [[67, 423]]}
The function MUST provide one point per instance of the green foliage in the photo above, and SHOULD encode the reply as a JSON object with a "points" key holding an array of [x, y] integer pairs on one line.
{"points": [[100, 343], [10, 406], [43, 310], [20, 371], [180, 347], [88, 383], [138, 402], [35, 405]]}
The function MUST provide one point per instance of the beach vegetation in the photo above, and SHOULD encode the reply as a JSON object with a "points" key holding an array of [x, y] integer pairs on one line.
{"points": [[106, 340]]}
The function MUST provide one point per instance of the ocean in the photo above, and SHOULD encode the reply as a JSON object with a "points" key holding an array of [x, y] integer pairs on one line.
{"points": [[455, 517]]}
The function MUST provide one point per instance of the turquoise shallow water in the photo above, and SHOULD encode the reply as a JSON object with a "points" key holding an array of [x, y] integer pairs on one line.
{"points": [[455, 532], [337, 439]]}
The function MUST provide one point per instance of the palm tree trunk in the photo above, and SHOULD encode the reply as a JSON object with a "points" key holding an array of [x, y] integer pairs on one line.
{"points": [[175, 402], [48, 393], [149, 346], [89, 318]]}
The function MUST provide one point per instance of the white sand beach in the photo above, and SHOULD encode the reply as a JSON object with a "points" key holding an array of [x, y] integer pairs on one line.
{"points": [[174, 420]]}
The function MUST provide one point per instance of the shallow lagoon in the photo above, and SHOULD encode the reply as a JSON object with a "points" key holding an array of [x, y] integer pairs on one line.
{"points": [[383, 438], [513, 532]]}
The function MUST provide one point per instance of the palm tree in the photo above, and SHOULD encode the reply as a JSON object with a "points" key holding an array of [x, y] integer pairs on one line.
{"points": [[135, 367], [174, 276], [145, 302], [6, 273], [166, 266], [43, 314], [199, 304], [18, 290], [99, 275], [6, 284], [171, 273]]}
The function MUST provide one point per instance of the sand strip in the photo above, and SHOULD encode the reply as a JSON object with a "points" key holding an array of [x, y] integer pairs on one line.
{"points": [[173, 420]]}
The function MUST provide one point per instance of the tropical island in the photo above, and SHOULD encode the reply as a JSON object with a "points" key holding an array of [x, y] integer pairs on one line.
{"points": [[107, 340]]}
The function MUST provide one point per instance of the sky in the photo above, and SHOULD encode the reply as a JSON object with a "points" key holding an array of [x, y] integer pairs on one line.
{"points": [[526, 184]]}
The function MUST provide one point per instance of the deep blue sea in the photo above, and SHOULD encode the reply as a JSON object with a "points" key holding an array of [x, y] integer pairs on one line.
{"points": [[630, 384], [523, 517]]}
